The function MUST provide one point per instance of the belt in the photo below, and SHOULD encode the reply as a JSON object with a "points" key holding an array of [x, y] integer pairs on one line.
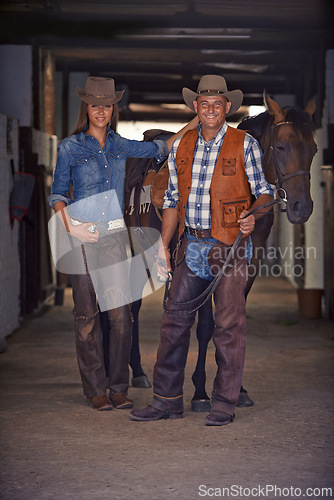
{"points": [[198, 233], [102, 227]]}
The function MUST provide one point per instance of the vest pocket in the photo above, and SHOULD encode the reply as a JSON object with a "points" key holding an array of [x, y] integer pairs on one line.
{"points": [[181, 167], [231, 212], [229, 166]]}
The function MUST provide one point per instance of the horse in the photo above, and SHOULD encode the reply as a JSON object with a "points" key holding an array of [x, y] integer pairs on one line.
{"points": [[286, 136]]}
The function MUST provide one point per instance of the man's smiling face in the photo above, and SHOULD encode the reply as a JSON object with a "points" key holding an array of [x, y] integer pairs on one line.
{"points": [[212, 111]]}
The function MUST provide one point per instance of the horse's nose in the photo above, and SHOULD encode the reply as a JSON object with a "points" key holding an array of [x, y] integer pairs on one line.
{"points": [[300, 212]]}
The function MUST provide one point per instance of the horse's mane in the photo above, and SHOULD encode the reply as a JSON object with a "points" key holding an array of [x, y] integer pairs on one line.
{"points": [[258, 125]]}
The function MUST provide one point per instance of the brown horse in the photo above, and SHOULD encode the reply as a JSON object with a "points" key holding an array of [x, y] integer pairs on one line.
{"points": [[286, 136]]}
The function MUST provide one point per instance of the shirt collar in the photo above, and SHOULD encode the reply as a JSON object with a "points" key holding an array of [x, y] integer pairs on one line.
{"points": [[109, 131], [218, 137], [82, 135]]}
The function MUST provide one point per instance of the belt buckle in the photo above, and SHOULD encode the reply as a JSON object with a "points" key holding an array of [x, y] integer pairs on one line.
{"points": [[198, 233], [102, 227]]}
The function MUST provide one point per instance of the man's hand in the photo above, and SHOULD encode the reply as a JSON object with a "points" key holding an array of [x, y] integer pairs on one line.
{"points": [[169, 226], [163, 261], [246, 225]]}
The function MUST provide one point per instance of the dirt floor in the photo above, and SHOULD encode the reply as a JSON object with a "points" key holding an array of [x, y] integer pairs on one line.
{"points": [[54, 445]]}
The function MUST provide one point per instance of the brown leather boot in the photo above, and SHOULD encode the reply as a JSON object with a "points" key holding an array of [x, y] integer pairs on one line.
{"points": [[150, 413], [101, 403], [218, 418], [121, 401]]}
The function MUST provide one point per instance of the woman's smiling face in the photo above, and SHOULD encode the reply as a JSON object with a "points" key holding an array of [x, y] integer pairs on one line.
{"points": [[99, 116]]}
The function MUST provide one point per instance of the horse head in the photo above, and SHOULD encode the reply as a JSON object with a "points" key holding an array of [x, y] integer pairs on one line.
{"points": [[289, 147]]}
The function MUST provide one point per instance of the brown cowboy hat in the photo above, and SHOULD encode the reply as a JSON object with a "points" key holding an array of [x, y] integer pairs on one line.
{"points": [[213, 85], [99, 90]]}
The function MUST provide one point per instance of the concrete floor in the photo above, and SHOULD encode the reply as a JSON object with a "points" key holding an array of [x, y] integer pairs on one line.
{"points": [[54, 445]]}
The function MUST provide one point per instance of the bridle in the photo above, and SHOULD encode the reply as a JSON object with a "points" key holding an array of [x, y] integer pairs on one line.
{"points": [[279, 177]]}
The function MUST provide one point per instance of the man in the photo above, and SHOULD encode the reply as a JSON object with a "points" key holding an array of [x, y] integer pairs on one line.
{"points": [[213, 173]]}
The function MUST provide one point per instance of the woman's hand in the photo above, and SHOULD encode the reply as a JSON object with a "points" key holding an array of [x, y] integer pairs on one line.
{"points": [[194, 123], [82, 233], [190, 126]]}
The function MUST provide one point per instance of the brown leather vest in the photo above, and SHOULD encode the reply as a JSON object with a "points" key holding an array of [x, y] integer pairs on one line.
{"points": [[229, 190]]}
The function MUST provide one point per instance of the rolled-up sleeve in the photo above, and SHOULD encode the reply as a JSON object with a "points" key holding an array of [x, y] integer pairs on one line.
{"points": [[163, 150], [253, 167], [62, 178], [172, 193]]}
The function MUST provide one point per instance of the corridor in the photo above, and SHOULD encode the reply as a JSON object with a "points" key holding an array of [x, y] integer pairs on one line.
{"points": [[54, 445]]}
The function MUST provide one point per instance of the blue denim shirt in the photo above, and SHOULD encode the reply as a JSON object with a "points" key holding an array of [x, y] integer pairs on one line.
{"points": [[97, 175]]}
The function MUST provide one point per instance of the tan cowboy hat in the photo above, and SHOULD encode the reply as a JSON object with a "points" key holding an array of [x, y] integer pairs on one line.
{"points": [[99, 90], [213, 85]]}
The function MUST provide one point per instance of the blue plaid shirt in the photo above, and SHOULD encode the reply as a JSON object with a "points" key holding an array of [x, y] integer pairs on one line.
{"points": [[205, 157]]}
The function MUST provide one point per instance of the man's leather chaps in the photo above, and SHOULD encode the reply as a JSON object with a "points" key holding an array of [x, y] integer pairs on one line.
{"points": [[229, 337]]}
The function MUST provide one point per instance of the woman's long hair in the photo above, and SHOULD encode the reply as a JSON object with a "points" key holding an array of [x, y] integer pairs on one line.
{"points": [[83, 122]]}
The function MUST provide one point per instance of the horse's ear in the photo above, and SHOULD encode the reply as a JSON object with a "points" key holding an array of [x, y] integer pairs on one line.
{"points": [[311, 107], [273, 108]]}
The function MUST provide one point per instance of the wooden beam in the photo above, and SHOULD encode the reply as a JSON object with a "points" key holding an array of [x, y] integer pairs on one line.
{"points": [[49, 95]]}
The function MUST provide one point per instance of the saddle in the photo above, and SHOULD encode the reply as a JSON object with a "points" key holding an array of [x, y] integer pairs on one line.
{"points": [[159, 185], [141, 171], [139, 219]]}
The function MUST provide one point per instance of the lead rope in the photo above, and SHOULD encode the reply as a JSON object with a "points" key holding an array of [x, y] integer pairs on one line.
{"points": [[193, 305]]}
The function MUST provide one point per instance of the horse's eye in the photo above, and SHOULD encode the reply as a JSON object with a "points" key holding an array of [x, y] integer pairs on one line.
{"points": [[279, 147]]}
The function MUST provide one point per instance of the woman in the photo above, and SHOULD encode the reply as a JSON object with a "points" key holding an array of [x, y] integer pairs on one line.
{"points": [[92, 161]]}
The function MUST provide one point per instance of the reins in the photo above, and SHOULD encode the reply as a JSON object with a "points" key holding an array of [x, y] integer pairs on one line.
{"points": [[193, 305]]}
